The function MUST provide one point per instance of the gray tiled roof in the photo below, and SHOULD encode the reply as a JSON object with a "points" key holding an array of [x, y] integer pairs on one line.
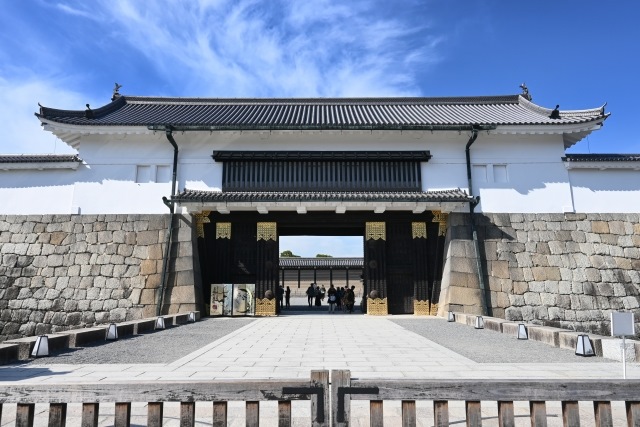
{"points": [[39, 158], [602, 158], [320, 113], [187, 196], [321, 262]]}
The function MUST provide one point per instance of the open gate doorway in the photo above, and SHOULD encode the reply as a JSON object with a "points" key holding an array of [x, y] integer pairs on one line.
{"points": [[401, 264], [312, 267]]}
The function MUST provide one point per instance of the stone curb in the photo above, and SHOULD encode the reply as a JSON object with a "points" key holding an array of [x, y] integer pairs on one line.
{"points": [[20, 349], [603, 346]]}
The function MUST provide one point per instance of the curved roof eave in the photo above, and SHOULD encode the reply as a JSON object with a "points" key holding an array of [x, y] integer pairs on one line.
{"points": [[452, 113]]}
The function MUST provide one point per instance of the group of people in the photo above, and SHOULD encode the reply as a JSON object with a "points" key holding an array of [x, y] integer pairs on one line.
{"points": [[340, 298], [285, 295]]}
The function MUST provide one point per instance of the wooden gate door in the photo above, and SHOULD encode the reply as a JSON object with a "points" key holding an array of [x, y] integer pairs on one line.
{"points": [[400, 283]]}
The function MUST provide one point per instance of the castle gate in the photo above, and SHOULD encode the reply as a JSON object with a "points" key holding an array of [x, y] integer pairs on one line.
{"points": [[376, 195]]}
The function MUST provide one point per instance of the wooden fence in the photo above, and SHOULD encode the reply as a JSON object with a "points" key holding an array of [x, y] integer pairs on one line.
{"points": [[330, 403]]}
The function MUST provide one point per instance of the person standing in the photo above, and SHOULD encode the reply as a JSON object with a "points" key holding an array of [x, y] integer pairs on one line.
{"points": [[350, 299], [287, 297], [331, 297], [280, 295], [310, 294], [318, 296]]}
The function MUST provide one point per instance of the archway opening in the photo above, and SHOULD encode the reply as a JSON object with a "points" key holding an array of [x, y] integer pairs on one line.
{"points": [[310, 266]]}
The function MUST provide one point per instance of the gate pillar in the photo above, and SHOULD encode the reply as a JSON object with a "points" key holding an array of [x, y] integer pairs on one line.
{"points": [[375, 267], [420, 268], [441, 219], [267, 268]]}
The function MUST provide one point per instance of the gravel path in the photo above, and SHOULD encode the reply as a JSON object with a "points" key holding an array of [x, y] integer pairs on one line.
{"points": [[482, 346], [486, 346], [157, 347]]}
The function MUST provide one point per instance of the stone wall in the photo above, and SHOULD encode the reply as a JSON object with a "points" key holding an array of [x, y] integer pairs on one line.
{"points": [[59, 272], [564, 270]]}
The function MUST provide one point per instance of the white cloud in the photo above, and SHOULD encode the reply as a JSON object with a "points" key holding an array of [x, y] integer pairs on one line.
{"points": [[89, 14], [21, 130], [252, 48]]}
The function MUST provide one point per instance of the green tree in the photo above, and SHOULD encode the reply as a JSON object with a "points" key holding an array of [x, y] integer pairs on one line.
{"points": [[288, 254]]}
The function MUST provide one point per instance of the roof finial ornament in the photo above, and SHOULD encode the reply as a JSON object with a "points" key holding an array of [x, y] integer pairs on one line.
{"points": [[555, 114], [88, 112], [525, 92], [116, 94]]}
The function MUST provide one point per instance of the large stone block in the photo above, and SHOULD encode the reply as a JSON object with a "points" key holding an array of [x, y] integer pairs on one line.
{"points": [[545, 334], [147, 238], [148, 296], [181, 295], [546, 273], [612, 348], [600, 227], [499, 269], [183, 264], [148, 267], [513, 313]]}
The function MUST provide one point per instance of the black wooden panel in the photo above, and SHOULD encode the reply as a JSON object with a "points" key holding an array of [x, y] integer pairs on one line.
{"points": [[436, 260], [375, 276], [400, 286], [321, 176], [222, 259], [267, 270], [420, 268], [243, 236]]}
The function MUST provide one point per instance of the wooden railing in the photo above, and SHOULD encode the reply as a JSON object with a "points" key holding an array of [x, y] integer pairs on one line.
{"points": [[473, 392], [156, 393], [342, 391]]}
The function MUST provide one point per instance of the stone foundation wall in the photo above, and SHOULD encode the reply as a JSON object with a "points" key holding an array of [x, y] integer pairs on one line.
{"points": [[564, 270], [60, 272]]}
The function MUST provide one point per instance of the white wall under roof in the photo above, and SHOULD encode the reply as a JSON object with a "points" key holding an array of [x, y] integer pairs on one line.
{"points": [[511, 173], [608, 190]]}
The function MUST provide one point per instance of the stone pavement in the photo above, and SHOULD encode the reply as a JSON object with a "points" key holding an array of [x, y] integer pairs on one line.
{"points": [[291, 345]]}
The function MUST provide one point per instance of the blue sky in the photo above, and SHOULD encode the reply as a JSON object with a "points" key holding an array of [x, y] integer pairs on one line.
{"points": [[64, 54]]}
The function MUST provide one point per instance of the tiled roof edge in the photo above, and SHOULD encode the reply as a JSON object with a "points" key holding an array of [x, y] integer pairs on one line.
{"points": [[39, 158], [601, 157]]}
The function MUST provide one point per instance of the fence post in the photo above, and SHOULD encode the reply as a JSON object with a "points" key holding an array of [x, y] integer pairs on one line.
{"points": [[25, 413], [57, 414], [633, 413], [90, 414], [340, 378], [320, 379]]}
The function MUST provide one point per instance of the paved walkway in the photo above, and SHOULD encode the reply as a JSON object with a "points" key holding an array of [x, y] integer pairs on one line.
{"points": [[289, 346]]}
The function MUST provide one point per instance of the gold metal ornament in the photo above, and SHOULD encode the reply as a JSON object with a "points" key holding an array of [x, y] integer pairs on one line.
{"points": [[265, 307], [267, 231], [421, 308], [434, 309], [223, 230], [377, 307], [441, 219], [375, 231], [201, 219], [419, 230]]}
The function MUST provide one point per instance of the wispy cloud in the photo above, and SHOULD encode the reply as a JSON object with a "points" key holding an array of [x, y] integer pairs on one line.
{"points": [[69, 52], [17, 106], [84, 13], [255, 48]]}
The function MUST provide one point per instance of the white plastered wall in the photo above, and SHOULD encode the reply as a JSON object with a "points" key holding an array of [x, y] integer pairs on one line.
{"points": [[607, 190], [512, 173]]}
